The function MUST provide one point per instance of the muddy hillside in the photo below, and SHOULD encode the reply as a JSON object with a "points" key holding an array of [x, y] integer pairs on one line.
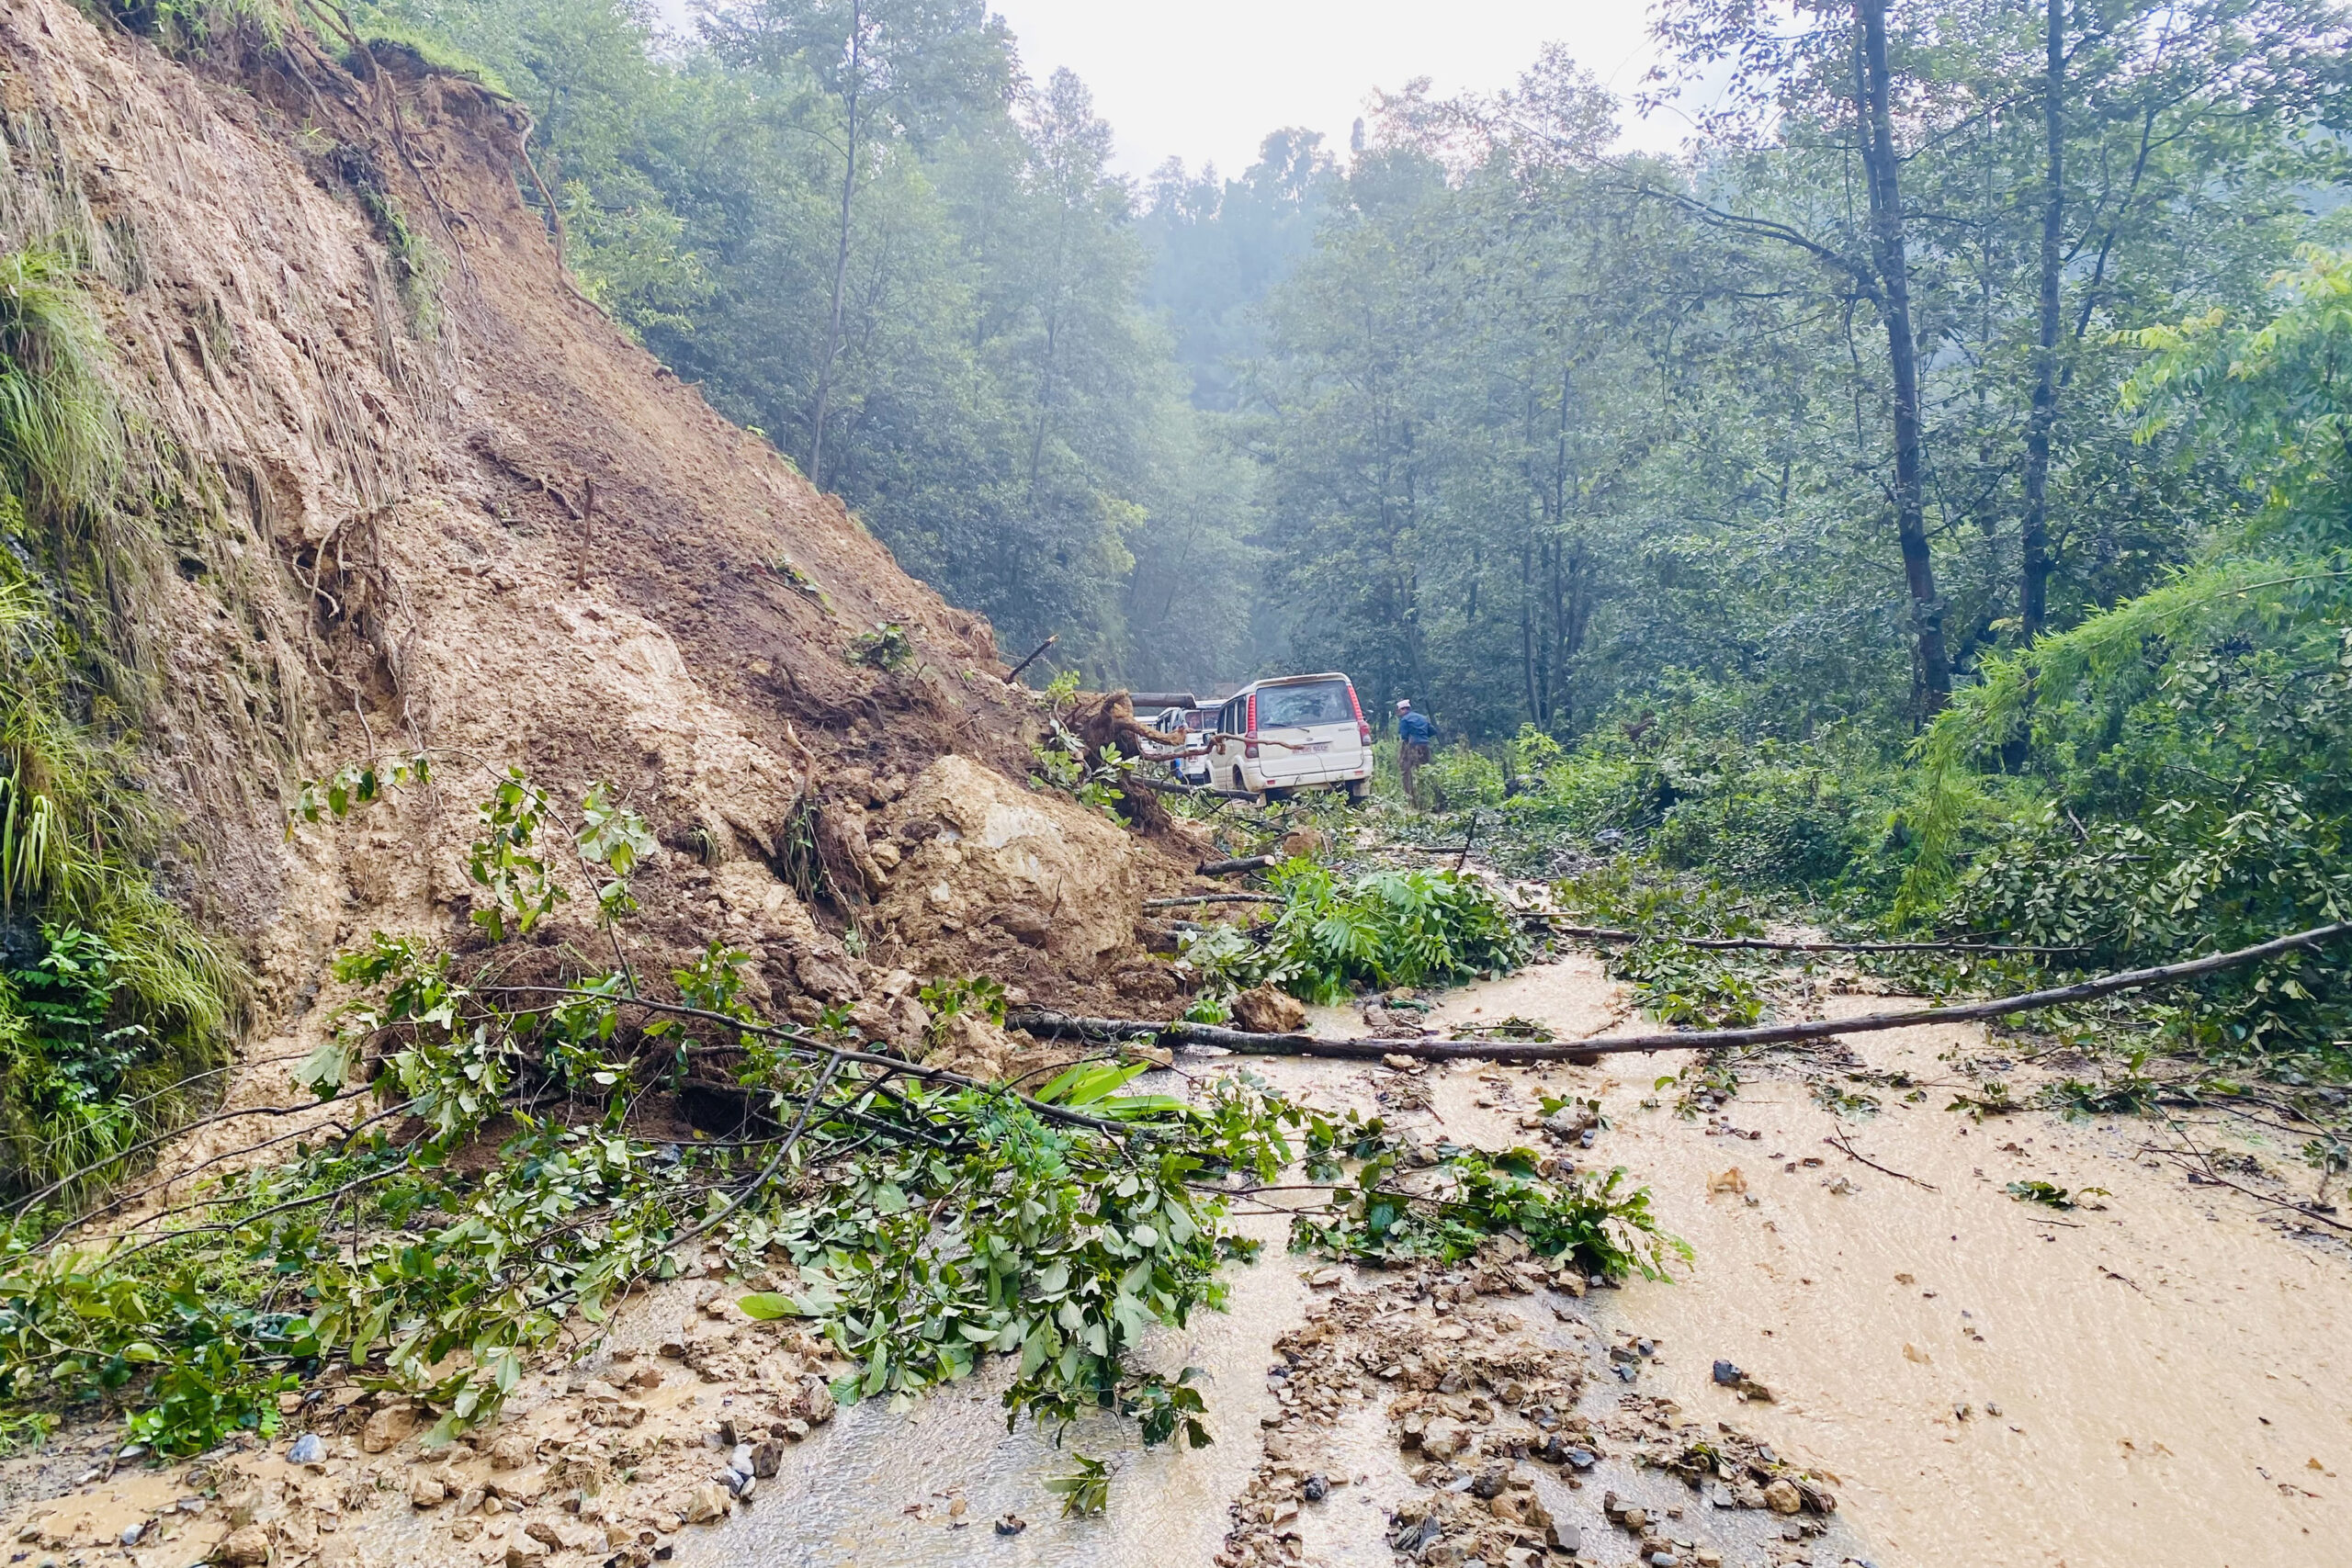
{"points": [[422, 496]]}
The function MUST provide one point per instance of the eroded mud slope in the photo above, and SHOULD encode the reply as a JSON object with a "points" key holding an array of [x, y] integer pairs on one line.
{"points": [[421, 494]]}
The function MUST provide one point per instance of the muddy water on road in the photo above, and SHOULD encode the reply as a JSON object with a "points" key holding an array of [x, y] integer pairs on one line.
{"points": [[879, 1489], [2166, 1368], [2147, 1382]]}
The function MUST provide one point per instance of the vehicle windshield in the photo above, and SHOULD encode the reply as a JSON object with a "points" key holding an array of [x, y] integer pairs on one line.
{"points": [[1319, 702]]}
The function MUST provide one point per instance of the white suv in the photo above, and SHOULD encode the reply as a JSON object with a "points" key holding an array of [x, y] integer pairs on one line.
{"points": [[1278, 736]]}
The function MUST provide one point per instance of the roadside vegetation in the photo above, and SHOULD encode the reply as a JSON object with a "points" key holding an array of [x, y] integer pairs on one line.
{"points": [[919, 1221]]}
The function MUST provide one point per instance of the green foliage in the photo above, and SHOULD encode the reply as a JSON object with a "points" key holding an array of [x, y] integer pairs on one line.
{"points": [[927, 1224], [1065, 762], [521, 890], [1165, 1411], [887, 647], [1085, 1491], [1460, 776], [1384, 929], [2272, 398], [2052, 1197], [950, 995], [112, 1005], [1582, 1218], [614, 839], [353, 786], [1631, 893], [1678, 983], [59, 437]]}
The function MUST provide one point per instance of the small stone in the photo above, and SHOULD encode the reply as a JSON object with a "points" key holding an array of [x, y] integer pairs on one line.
{"points": [[1488, 1482], [1011, 1524], [1316, 1489], [428, 1492], [545, 1533], [671, 1349], [767, 1458], [707, 1504], [131, 1533], [309, 1448], [511, 1451], [1727, 1374], [525, 1554], [1782, 1498], [245, 1547], [795, 1430], [387, 1428]]}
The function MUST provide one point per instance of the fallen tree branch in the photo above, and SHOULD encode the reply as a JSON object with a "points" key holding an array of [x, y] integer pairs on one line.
{"points": [[1174, 786], [1213, 898], [1681, 1040], [1838, 1142], [793, 1040], [1229, 867], [1605, 934], [1015, 673]]}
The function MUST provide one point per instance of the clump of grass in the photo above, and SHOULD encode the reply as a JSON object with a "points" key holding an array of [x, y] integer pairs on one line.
{"points": [[109, 999]]}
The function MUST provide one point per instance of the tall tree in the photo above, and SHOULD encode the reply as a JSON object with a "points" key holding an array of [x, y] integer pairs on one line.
{"points": [[886, 66]]}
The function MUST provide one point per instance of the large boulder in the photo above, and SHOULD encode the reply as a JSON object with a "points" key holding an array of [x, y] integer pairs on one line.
{"points": [[1264, 1010], [986, 856]]}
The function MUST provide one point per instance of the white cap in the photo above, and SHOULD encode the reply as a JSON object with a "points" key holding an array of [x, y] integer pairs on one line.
{"points": [[1403, 703]]}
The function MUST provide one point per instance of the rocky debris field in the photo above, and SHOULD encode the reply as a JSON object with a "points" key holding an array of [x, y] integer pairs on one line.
{"points": [[1493, 1391], [606, 1465]]}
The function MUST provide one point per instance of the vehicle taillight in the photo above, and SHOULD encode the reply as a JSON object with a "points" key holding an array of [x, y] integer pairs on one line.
{"points": [[1250, 729], [1364, 730]]}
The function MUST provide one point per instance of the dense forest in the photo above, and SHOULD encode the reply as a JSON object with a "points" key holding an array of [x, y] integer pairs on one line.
{"points": [[1926, 492], [1826, 411]]}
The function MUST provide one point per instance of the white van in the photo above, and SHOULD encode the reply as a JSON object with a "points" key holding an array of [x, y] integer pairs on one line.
{"points": [[1278, 736], [1194, 723]]}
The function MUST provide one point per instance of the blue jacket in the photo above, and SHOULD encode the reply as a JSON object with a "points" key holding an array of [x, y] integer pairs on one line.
{"points": [[1415, 727]]}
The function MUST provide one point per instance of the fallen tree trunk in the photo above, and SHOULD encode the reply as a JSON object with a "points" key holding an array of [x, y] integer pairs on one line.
{"points": [[1213, 898], [1605, 934], [1229, 867], [1173, 786], [1178, 1032]]}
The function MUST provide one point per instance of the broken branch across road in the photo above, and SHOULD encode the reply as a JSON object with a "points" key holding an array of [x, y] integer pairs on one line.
{"points": [[1373, 1049]]}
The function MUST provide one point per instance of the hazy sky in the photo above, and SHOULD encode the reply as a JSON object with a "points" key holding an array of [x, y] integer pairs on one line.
{"points": [[1207, 79]]}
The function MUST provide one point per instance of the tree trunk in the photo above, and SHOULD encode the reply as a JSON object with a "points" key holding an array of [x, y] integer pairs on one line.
{"points": [[1933, 666], [841, 253], [2034, 585]]}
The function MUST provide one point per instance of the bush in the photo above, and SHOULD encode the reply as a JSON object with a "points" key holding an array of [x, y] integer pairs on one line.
{"points": [[1461, 777], [1389, 928]]}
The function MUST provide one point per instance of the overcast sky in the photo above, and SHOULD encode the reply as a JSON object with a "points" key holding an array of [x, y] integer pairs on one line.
{"points": [[1204, 80]]}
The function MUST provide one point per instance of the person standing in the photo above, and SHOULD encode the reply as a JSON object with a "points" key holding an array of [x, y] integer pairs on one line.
{"points": [[1414, 733]]}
